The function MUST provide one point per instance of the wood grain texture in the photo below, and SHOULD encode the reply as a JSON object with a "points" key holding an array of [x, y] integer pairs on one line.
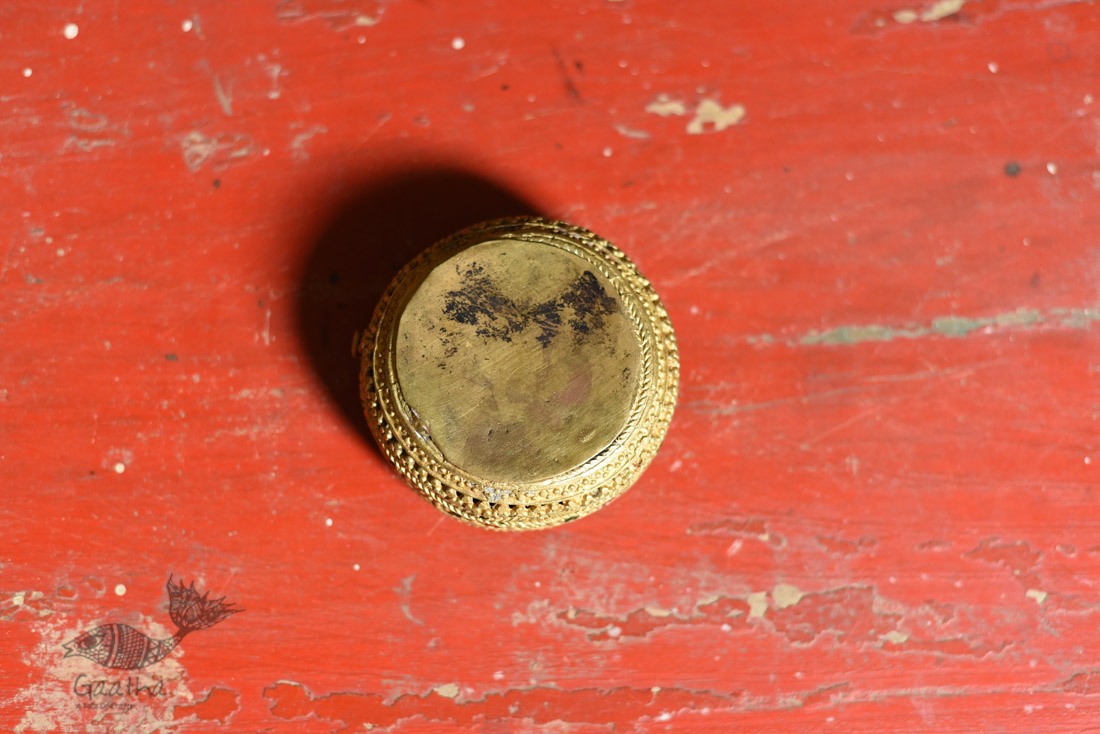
{"points": [[874, 227]]}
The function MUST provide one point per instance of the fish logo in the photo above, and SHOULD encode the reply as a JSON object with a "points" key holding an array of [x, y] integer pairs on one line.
{"points": [[125, 648]]}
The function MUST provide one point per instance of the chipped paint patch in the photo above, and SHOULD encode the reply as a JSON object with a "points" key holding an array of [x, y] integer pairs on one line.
{"points": [[448, 690], [942, 9], [786, 595], [708, 116], [28, 605], [711, 117], [894, 637], [665, 106], [758, 604], [1038, 595], [937, 11]]}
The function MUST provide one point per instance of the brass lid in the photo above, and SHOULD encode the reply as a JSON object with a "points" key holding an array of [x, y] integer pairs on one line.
{"points": [[520, 373]]}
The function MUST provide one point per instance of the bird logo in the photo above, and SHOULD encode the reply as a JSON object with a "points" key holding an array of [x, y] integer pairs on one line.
{"points": [[122, 647]]}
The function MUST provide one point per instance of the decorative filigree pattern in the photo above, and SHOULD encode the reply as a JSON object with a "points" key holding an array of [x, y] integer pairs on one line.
{"points": [[567, 496]]}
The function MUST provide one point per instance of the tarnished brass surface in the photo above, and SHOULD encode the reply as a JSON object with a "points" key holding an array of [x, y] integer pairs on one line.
{"points": [[520, 373]]}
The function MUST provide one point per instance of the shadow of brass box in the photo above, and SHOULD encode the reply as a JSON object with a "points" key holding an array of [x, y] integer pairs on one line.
{"points": [[520, 373]]}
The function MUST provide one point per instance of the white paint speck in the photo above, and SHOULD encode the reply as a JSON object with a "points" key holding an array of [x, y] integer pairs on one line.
{"points": [[61, 252], [1038, 595], [695, 310], [1088, 460], [120, 590], [28, 71], [1088, 99], [356, 566], [71, 30], [458, 43], [607, 152], [664, 716], [187, 25], [1052, 168], [361, 40], [119, 467], [726, 628], [499, 675], [614, 632], [328, 522], [993, 67], [675, 466]]}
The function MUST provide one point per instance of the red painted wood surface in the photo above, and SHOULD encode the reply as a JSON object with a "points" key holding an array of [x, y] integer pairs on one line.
{"points": [[874, 226]]}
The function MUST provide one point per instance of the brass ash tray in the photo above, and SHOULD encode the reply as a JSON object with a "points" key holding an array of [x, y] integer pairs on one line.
{"points": [[520, 373]]}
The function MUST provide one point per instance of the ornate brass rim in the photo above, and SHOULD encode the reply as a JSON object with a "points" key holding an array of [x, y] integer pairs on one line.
{"points": [[566, 496]]}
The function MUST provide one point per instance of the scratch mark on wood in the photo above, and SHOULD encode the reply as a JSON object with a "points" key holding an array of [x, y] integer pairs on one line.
{"points": [[298, 149], [219, 151], [566, 77], [404, 593]]}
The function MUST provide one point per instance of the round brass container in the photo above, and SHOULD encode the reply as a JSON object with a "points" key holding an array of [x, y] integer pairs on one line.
{"points": [[520, 373]]}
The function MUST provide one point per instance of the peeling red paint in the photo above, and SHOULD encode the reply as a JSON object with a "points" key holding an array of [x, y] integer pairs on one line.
{"points": [[218, 705], [1018, 557], [536, 705]]}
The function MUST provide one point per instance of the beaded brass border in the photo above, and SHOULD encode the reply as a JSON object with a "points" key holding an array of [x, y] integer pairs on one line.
{"points": [[548, 502]]}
